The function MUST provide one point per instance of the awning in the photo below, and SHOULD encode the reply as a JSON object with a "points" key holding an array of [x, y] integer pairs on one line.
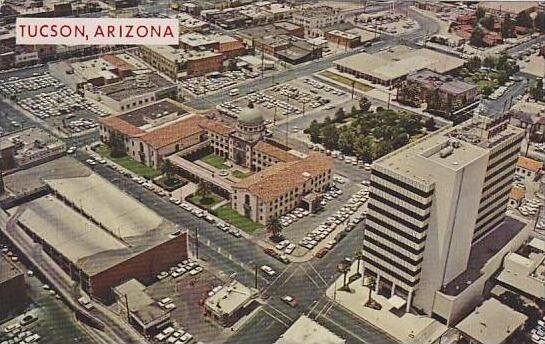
{"points": [[397, 301]]}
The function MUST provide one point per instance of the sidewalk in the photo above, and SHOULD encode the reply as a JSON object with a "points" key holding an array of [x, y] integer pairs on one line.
{"points": [[407, 328]]}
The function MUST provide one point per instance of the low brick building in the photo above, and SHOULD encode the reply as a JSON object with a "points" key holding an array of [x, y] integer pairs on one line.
{"points": [[12, 287], [442, 94]]}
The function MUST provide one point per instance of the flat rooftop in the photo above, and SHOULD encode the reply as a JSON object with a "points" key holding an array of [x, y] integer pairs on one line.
{"points": [[8, 270], [399, 61], [73, 235], [408, 160], [195, 39], [513, 7], [492, 322], [129, 87], [121, 228], [304, 330], [116, 210], [147, 115], [30, 141], [442, 82], [91, 69], [230, 298], [482, 252], [32, 178]]}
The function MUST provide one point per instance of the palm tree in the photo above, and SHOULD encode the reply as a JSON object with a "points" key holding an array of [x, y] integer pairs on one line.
{"points": [[358, 256], [371, 285], [203, 190], [343, 268], [274, 227], [168, 169]]}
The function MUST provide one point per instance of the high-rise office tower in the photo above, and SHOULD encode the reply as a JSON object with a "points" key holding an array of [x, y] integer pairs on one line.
{"points": [[432, 201]]}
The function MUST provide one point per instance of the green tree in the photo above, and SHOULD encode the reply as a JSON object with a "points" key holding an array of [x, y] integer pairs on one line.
{"points": [[330, 136], [474, 63], [430, 124], [353, 111], [167, 168], [340, 115], [383, 147], [364, 103], [489, 62], [358, 256], [536, 91], [487, 22], [371, 281], [476, 38], [346, 141], [539, 21], [400, 140], [203, 190], [480, 13], [363, 149], [524, 19], [487, 90], [344, 268], [314, 131], [502, 77], [274, 227], [507, 27], [117, 145]]}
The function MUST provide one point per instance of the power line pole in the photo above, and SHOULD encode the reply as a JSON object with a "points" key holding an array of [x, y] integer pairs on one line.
{"points": [[197, 242], [255, 277]]}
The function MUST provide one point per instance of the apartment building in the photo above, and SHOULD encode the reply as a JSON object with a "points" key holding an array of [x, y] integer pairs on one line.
{"points": [[426, 214]]}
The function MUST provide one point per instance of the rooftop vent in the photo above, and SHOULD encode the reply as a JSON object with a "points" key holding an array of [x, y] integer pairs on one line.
{"points": [[446, 151]]}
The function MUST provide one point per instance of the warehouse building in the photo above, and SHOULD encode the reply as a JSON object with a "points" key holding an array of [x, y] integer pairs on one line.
{"points": [[101, 244], [391, 66]]}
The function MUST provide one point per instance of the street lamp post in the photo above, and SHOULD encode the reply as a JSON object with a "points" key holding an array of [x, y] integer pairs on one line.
{"points": [[197, 241]]}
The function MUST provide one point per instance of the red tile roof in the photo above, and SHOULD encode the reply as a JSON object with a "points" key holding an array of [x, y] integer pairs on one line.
{"points": [[174, 132], [216, 127], [517, 193], [529, 164], [275, 152], [283, 177], [117, 124]]}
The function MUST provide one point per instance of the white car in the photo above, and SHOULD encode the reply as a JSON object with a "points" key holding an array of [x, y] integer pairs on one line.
{"points": [[195, 271], [165, 301], [268, 270]]}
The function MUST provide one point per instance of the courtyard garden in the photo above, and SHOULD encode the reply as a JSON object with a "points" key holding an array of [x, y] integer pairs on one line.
{"points": [[232, 217], [127, 162]]}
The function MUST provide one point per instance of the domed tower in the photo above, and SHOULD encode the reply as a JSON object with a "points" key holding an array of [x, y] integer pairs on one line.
{"points": [[251, 124]]}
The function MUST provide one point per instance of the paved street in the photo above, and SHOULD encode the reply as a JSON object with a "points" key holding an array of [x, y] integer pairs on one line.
{"points": [[306, 282]]}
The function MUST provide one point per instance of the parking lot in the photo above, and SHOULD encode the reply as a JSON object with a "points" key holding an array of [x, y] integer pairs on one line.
{"points": [[389, 23], [187, 292], [343, 208], [38, 319], [46, 99], [299, 97], [216, 81]]}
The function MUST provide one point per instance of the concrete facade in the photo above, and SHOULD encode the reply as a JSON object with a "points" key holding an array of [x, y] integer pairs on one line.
{"points": [[424, 213]]}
